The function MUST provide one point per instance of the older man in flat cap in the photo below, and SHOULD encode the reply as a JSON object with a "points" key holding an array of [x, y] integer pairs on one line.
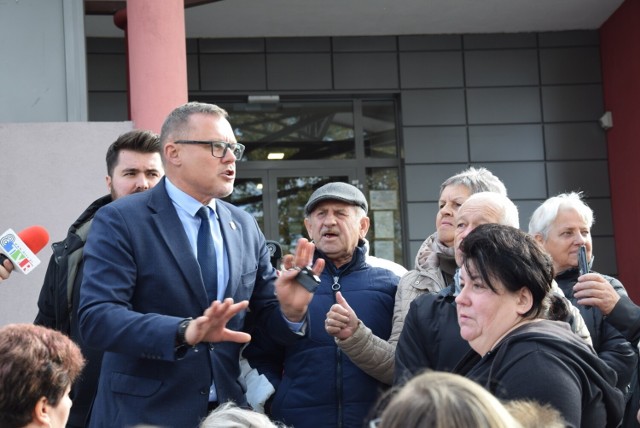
{"points": [[316, 384]]}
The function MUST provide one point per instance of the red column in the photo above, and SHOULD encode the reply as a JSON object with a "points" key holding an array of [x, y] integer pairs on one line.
{"points": [[157, 60]]}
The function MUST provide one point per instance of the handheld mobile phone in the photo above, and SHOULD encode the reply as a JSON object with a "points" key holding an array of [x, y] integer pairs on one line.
{"points": [[308, 279], [583, 265]]}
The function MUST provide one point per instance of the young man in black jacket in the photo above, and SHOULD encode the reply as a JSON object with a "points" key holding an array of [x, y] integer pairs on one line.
{"points": [[133, 165]]}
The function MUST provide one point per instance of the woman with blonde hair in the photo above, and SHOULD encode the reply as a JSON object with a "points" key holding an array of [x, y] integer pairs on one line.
{"points": [[444, 400]]}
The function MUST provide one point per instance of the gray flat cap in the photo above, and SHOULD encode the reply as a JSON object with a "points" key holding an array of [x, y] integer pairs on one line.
{"points": [[337, 192]]}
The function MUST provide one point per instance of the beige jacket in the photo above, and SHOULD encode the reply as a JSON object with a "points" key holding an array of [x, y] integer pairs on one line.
{"points": [[376, 356]]}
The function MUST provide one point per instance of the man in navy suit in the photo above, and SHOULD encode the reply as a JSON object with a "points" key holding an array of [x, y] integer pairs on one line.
{"points": [[172, 342]]}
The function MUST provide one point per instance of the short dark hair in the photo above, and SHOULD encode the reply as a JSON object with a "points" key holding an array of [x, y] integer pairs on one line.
{"points": [[35, 362], [139, 141], [514, 258]]}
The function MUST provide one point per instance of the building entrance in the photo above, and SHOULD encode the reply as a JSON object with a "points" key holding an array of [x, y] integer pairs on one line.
{"points": [[295, 146]]}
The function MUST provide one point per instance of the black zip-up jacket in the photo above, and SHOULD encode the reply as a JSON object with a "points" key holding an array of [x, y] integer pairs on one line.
{"points": [[609, 343], [544, 361], [58, 307]]}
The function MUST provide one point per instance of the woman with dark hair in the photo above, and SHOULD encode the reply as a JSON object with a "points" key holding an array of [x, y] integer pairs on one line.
{"points": [[37, 367], [517, 354]]}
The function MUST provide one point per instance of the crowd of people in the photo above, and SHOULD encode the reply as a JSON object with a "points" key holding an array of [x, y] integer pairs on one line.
{"points": [[161, 308]]}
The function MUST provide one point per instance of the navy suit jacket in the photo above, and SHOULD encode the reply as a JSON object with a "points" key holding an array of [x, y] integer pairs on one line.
{"points": [[141, 279]]}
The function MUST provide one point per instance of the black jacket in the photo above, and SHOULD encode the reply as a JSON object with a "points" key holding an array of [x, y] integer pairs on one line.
{"points": [[608, 342], [58, 307], [430, 337], [544, 361]]}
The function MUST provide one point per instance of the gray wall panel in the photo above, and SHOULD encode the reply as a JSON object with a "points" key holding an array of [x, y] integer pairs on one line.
{"points": [[506, 143], [299, 71], [572, 103], [572, 141], [591, 177], [525, 209], [108, 106], [431, 70], [364, 44], [193, 72], [435, 144], [433, 107], [107, 72], [524, 180], [299, 44], [570, 65], [231, 45], [365, 70], [226, 72], [423, 181], [499, 41], [501, 67], [430, 42], [422, 220], [503, 105], [603, 217], [568, 38], [604, 251]]}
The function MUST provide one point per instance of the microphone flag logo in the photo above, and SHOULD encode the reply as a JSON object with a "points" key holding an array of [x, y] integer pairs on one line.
{"points": [[17, 251]]}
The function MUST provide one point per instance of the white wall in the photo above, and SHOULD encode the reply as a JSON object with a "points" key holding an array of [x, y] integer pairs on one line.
{"points": [[50, 173]]}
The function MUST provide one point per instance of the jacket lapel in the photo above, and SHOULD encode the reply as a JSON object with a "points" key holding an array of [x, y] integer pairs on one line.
{"points": [[232, 237], [171, 231]]}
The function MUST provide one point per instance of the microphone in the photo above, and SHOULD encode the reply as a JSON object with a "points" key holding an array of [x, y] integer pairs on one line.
{"points": [[21, 247]]}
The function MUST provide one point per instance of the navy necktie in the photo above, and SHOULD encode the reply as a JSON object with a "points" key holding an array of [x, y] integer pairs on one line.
{"points": [[207, 255]]}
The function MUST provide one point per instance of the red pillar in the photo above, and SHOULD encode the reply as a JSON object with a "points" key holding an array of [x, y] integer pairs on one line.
{"points": [[620, 51], [157, 60]]}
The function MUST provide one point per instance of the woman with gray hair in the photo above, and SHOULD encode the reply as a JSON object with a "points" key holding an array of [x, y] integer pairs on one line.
{"points": [[562, 225]]}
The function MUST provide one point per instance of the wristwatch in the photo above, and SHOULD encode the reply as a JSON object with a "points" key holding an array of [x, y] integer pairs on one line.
{"points": [[182, 329]]}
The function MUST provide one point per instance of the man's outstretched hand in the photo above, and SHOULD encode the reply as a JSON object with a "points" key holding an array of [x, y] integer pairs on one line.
{"points": [[212, 325]]}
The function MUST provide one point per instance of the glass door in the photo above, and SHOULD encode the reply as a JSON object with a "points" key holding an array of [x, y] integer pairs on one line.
{"points": [[277, 198]]}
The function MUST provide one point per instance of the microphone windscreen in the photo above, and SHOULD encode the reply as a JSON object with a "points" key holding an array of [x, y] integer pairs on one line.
{"points": [[34, 237]]}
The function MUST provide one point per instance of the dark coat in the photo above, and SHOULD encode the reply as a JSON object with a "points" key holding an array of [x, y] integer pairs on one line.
{"points": [[58, 307], [608, 342], [431, 337], [544, 361]]}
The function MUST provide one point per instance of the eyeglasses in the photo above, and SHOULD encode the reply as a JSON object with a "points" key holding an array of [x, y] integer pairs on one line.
{"points": [[218, 148]]}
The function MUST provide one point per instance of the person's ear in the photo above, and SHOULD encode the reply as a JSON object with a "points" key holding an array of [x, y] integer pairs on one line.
{"points": [[364, 226], [539, 239], [307, 225], [171, 153], [524, 301], [40, 414], [108, 180]]}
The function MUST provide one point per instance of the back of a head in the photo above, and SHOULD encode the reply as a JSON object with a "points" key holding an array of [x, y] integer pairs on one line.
{"points": [[228, 415], [445, 400], [500, 203], [35, 362], [531, 414], [476, 180]]}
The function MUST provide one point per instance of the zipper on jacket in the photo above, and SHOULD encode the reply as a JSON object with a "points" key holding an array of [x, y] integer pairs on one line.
{"points": [[335, 287]]}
